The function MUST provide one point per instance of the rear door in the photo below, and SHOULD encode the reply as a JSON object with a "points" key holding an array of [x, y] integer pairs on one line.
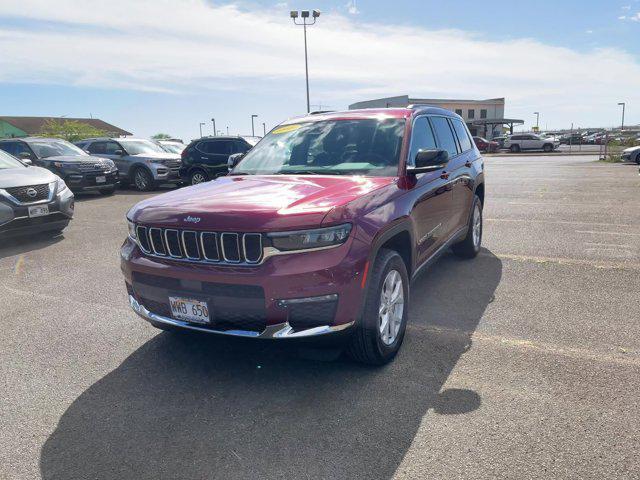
{"points": [[433, 197], [214, 154], [461, 176]]}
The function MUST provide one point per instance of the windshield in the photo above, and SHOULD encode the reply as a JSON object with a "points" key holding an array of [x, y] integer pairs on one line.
{"points": [[135, 147], [173, 147], [7, 161], [55, 148], [330, 147]]}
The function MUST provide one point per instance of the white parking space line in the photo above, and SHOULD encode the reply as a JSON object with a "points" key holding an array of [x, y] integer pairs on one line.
{"points": [[596, 232]]}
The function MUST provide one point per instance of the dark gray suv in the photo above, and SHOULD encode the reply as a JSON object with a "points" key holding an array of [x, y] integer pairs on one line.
{"points": [[141, 162]]}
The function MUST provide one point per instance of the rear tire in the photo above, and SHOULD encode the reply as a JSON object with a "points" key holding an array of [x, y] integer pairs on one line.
{"points": [[638, 158], [143, 180], [376, 342], [514, 148], [469, 247]]}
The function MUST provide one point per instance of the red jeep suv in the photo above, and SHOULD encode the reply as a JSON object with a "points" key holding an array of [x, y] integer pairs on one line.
{"points": [[316, 232]]}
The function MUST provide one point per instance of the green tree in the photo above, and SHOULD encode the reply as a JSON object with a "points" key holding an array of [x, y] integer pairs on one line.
{"points": [[161, 136], [70, 130]]}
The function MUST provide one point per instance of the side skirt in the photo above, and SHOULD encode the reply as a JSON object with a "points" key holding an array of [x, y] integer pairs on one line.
{"points": [[456, 237]]}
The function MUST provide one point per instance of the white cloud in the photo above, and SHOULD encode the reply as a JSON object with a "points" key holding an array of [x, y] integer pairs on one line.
{"points": [[186, 45], [352, 7], [588, 31], [633, 18]]}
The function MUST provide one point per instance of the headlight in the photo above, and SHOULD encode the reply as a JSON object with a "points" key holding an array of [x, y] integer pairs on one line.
{"points": [[66, 165], [132, 230], [307, 239], [157, 161], [58, 186]]}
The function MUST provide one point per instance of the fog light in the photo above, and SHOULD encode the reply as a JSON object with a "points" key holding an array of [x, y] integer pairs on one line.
{"points": [[284, 303]]}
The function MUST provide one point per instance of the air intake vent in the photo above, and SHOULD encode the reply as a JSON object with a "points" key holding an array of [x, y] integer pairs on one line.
{"points": [[228, 248]]}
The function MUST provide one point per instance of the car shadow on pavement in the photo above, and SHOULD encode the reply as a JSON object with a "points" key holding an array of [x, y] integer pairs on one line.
{"points": [[19, 245], [188, 406]]}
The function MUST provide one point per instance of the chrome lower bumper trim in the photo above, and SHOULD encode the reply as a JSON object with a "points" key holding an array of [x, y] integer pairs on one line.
{"points": [[280, 330]]}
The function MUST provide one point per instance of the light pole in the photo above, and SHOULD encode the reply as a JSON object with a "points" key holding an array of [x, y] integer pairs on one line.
{"points": [[201, 125], [623, 105], [264, 129], [227, 130], [304, 14], [253, 132], [214, 126], [537, 114]]}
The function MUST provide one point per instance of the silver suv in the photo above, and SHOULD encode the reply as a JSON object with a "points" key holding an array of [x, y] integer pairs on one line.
{"points": [[140, 162], [529, 141]]}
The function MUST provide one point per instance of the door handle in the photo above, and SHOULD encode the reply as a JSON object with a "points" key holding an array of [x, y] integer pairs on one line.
{"points": [[467, 164], [444, 176]]}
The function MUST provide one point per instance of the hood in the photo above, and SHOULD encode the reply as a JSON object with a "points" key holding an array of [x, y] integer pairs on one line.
{"points": [[158, 155], [21, 177], [631, 149], [255, 202], [72, 159]]}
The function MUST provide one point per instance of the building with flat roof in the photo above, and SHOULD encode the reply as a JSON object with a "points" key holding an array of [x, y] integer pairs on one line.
{"points": [[27, 126], [485, 118]]}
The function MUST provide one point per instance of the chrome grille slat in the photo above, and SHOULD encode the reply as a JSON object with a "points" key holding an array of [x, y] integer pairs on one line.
{"points": [[244, 249], [229, 252]]}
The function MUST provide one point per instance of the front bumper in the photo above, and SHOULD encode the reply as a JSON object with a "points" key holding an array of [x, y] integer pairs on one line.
{"points": [[165, 174], [15, 220], [280, 330], [254, 301], [89, 181]]}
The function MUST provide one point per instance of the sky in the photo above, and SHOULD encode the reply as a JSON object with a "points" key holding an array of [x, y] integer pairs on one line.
{"points": [[152, 66]]}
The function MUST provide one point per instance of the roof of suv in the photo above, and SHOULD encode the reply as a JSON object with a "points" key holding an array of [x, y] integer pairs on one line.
{"points": [[32, 139], [364, 113]]}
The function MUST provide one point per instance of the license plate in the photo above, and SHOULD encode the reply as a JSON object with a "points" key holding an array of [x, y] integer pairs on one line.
{"points": [[189, 309], [101, 179], [39, 211]]}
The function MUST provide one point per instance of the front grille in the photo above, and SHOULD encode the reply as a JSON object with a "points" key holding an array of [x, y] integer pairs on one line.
{"points": [[173, 164], [93, 166], [30, 193], [209, 247]]}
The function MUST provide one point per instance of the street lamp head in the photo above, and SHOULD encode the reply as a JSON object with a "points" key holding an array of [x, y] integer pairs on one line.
{"points": [[304, 13], [255, 116], [621, 103], [316, 13], [294, 14]]}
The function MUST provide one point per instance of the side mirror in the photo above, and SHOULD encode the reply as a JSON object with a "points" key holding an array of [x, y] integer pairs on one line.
{"points": [[24, 156], [429, 161], [27, 161], [234, 160], [119, 152]]}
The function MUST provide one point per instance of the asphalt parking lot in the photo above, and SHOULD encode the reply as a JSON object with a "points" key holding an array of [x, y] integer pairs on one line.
{"points": [[522, 363]]}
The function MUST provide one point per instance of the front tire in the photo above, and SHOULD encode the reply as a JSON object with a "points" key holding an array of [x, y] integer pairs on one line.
{"points": [[514, 148], [381, 328], [469, 247], [547, 147], [198, 176], [143, 180]]}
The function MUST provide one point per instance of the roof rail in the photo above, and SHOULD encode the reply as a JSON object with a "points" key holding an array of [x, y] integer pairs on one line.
{"points": [[319, 112], [413, 106]]}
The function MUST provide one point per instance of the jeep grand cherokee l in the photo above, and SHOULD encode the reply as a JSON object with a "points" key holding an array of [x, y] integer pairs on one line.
{"points": [[315, 233], [81, 172], [32, 199]]}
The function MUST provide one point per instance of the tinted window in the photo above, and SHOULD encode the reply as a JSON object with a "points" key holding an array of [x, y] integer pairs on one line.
{"points": [[461, 133], [98, 147], [421, 138], [218, 147], [445, 135], [516, 137], [9, 147], [241, 147], [472, 114], [112, 147]]}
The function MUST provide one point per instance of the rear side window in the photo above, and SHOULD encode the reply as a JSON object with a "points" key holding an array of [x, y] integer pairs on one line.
{"points": [[9, 147], [216, 147], [446, 141], [421, 138], [463, 136]]}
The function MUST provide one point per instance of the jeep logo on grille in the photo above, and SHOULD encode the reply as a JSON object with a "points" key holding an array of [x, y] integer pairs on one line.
{"points": [[32, 192], [191, 219]]}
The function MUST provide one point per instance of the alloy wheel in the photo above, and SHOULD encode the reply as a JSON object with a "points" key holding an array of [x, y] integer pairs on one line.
{"points": [[197, 178], [141, 180], [477, 226], [391, 307]]}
